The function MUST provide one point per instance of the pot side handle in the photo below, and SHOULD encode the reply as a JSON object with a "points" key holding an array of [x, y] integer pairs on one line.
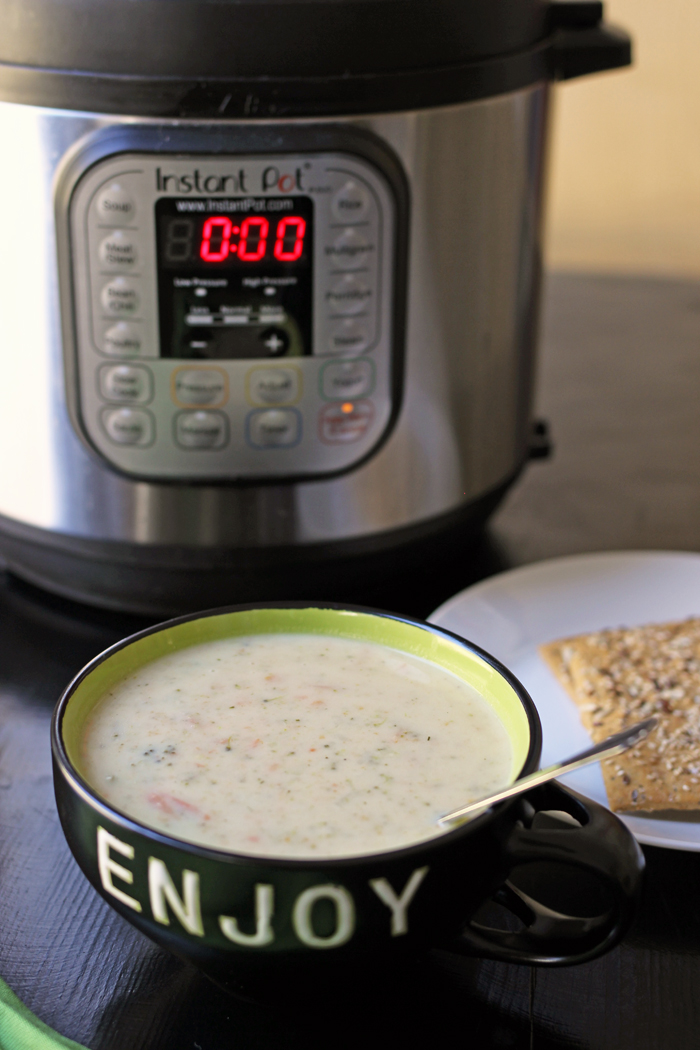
{"points": [[595, 841], [582, 42]]}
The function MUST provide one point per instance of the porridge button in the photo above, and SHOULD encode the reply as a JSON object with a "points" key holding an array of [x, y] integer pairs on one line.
{"points": [[201, 430], [200, 386], [274, 428], [116, 206], [129, 426], [350, 295]]}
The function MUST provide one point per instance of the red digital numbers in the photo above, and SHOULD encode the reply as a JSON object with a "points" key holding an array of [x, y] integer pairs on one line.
{"points": [[253, 239]]}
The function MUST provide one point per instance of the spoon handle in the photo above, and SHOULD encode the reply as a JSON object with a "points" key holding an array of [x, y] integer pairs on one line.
{"points": [[613, 745]]}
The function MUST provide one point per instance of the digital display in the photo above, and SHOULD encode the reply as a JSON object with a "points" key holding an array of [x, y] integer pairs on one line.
{"points": [[235, 277]]}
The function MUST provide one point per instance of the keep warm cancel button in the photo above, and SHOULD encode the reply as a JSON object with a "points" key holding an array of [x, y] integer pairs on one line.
{"points": [[345, 421]]}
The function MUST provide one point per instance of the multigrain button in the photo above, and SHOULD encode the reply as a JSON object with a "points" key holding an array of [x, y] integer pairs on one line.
{"points": [[122, 340], [116, 206], [125, 383], [347, 379], [345, 422], [118, 251], [201, 429], [349, 251], [273, 386], [350, 295], [351, 202], [274, 428], [200, 386], [129, 426], [120, 297], [350, 336]]}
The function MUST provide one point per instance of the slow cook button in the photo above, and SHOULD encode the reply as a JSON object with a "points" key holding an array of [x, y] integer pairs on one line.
{"points": [[122, 340], [118, 251], [200, 386], [349, 251], [347, 379], [273, 386], [125, 383], [351, 202], [116, 206], [274, 428], [201, 429], [350, 295], [120, 296], [349, 336], [340, 424], [129, 426]]}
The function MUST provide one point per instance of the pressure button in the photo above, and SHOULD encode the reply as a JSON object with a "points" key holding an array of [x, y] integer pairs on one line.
{"points": [[116, 206], [200, 386], [129, 426]]}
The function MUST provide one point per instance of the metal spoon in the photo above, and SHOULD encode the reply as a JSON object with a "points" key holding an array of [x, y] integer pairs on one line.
{"points": [[614, 745]]}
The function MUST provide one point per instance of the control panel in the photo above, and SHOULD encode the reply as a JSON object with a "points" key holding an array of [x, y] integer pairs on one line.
{"points": [[234, 314]]}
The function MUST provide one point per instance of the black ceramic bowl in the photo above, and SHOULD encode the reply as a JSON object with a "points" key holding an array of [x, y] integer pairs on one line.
{"points": [[236, 915]]}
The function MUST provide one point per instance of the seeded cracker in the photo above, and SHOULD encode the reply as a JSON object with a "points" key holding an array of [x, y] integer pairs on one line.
{"points": [[619, 677]]}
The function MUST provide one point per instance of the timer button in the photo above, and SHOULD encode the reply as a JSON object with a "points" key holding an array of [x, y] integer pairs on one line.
{"points": [[200, 386], [349, 251], [273, 386], [125, 383], [351, 203], [129, 426], [350, 295], [116, 206], [347, 379], [274, 428], [201, 429], [122, 340], [343, 423], [118, 251], [120, 296], [349, 336]]}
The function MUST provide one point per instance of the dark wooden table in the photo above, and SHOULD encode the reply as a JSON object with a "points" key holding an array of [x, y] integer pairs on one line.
{"points": [[619, 381]]}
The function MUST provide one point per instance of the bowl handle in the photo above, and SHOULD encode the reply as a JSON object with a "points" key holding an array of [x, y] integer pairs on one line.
{"points": [[569, 829]]}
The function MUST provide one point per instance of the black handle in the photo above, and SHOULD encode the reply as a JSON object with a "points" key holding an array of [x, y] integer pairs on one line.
{"points": [[582, 43], [572, 830]]}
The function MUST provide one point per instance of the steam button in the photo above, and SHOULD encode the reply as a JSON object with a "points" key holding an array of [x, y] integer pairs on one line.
{"points": [[118, 251], [120, 297], [349, 336], [274, 428], [116, 206], [201, 429], [351, 203], [129, 426], [125, 383]]}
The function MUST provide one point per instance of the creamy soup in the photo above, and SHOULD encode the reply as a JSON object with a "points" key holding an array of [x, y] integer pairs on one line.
{"points": [[294, 745]]}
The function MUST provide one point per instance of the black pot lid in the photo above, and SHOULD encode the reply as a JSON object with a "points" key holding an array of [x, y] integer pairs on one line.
{"points": [[165, 43]]}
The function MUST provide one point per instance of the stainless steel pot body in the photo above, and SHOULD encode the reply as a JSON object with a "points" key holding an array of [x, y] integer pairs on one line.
{"points": [[475, 176]]}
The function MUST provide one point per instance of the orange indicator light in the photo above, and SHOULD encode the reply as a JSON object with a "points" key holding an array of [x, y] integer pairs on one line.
{"points": [[347, 406]]}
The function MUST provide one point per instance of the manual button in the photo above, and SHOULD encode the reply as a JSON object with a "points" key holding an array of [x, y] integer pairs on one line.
{"points": [[125, 383], [200, 386], [274, 428], [201, 429], [273, 386], [347, 379], [129, 426]]}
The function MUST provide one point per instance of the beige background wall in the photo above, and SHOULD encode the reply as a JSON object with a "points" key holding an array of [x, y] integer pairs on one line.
{"points": [[625, 172]]}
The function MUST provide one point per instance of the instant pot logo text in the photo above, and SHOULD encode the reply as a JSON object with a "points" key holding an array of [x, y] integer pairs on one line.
{"points": [[259, 925], [271, 178]]}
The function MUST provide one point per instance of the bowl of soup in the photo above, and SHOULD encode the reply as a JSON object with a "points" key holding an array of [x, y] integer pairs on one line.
{"points": [[258, 789]]}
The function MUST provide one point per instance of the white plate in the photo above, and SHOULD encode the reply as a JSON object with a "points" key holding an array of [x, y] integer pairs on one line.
{"points": [[509, 615]]}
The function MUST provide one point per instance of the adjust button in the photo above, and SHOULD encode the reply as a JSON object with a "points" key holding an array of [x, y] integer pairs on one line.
{"points": [[118, 251], [273, 386], [129, 426], [350, 295], [340, 424], [274, 428], [116, 206], [351, 202], [120, 297], [125, 383], [200, 386], [122, 340], [201, 429], [347, 379]]}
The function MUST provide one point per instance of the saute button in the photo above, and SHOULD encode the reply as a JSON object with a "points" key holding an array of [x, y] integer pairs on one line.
{"points": [[201, 429], [273, 386], [200, 386], [348, 337], [274, 428], [349, 251], [125, 383], [118, 251], [116, 206], [122, 339], [351, 203], [350, 295], [343, 423], [347, 379], [120, 296], [129, 426]]}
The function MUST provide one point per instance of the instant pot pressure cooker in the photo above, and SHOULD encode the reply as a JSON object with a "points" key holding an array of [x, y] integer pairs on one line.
{"points": [[269, 288]]}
